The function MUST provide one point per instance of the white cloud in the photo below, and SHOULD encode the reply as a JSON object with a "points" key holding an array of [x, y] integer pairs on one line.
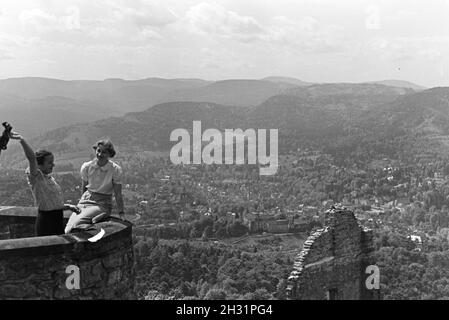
{"points": [[372, 21], [114, 21], [9, 40], [286, 29], [306, 34], [72, 20], [5, 55], [392, 50], [431, 54], [142, 13], [403, 16], [320, 38], [126, 23], [44, 21], [399, 49], [148, 33], [206, 18], [38, 19], [222, 60], [42, 63], [99, 32], [212, 59]]}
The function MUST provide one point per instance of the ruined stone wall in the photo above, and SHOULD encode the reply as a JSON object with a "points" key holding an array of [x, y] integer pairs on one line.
{"points": [[333, 261], [35, 268]]}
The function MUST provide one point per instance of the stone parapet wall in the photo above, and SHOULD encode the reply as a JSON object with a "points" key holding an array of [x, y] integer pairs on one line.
{"points": [[17, 222], [37, 267]]}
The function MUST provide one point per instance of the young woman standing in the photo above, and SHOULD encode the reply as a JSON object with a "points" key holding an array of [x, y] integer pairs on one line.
{"points": [[46, 191]]}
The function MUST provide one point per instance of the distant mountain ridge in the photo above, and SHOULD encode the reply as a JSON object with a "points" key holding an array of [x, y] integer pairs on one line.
{"points": [[36, 105], [240, 92], [334, 116], [400, 84], [29, 103], [287, 82]]}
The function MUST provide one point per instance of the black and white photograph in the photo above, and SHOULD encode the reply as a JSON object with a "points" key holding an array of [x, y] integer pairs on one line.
{"points": [[244, 151]]}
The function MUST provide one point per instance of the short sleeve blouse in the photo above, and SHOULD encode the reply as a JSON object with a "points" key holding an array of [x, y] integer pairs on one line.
{"points": [[101, 179], [46, 191]]}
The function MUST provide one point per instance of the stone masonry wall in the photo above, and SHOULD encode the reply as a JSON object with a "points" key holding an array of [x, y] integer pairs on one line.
{"points": [[17, 222], [35, 268], [333, 261]]}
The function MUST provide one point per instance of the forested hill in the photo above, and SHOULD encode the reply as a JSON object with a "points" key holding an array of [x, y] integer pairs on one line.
{"points": [[340, 118]]}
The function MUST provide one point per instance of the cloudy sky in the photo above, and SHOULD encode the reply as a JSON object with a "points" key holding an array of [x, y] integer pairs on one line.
{"points": [[313, 40]]}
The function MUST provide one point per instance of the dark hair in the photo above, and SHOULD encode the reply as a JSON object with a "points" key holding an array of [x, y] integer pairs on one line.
{"points": [[40, 156], [107, 144]]}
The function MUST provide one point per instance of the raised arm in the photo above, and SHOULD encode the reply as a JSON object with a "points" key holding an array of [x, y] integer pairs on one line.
{"points": [[29, 153]]}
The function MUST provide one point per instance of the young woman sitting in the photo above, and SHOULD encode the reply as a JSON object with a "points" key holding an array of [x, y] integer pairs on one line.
{"points": [[101, 178]]}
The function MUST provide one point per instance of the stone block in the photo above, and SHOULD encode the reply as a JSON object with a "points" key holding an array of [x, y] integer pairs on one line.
{"points": [[18, 291], [92, 274], [64, 293], [114, 277], [113, 261]]}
